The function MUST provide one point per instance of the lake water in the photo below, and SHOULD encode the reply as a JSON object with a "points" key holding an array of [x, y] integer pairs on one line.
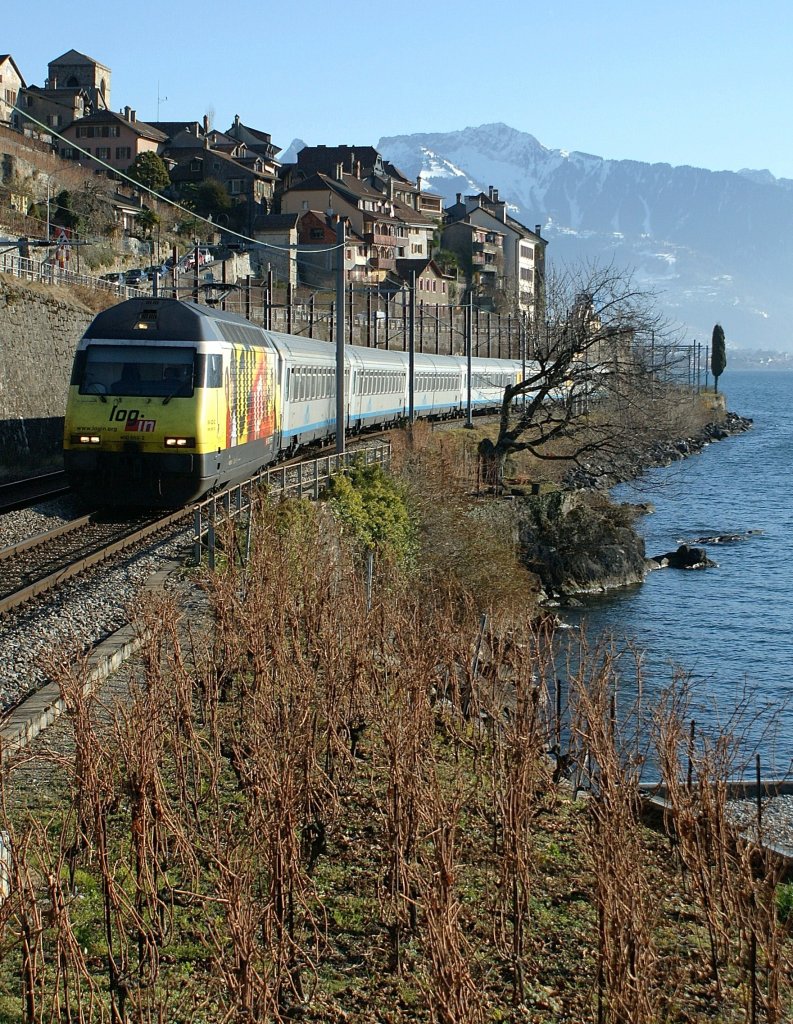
{"points": [[728, 628]]}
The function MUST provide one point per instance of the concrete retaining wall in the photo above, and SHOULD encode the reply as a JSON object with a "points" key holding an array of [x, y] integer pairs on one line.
{"points": [[39, 330]]}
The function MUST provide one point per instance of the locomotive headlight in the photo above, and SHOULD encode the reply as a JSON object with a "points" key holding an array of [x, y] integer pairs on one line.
{"points": [[180, 442], [85, 439]]}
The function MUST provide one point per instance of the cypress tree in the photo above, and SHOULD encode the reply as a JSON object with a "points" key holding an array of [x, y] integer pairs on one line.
{"points": [[718, 356]]}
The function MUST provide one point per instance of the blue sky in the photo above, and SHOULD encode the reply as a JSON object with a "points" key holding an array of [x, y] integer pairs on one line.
{"points": [[704, 83]]}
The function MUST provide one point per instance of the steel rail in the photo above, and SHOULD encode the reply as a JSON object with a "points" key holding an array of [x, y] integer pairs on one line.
{"points": [[18, 493], [44, 538], [72, 569]]}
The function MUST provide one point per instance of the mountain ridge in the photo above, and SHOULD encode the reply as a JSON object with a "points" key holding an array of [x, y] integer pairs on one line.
{"points": [[713, 244]]}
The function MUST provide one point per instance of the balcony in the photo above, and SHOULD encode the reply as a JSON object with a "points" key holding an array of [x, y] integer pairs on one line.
{"points": [[382, 263], [377, 237]]}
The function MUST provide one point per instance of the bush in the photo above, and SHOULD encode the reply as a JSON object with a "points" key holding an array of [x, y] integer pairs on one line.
{"points": [[372, 508]]}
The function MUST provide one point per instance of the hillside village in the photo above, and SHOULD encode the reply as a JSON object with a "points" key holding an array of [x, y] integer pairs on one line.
{"points": [[282, 215]]}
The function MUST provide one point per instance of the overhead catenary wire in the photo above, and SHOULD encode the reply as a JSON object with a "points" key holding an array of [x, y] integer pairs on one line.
{"points": [[164, 199]]}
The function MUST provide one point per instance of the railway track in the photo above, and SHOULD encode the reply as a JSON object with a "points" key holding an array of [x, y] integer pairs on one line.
{"points": [[20, 493], [38, 564]]}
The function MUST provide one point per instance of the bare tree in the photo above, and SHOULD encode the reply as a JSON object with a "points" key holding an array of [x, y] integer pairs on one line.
{"points": [[586, 368]]}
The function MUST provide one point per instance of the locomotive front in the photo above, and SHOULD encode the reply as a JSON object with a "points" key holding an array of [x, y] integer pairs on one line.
{"points": [[143, 417]]}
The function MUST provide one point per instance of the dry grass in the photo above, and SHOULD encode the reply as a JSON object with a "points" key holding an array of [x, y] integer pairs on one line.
{"points": [[302, 807]]}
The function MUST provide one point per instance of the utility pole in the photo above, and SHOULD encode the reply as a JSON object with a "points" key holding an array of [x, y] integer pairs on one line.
{"points": [[469, 328], [523, 353], [195, 272], [341, 242], [412, 348]]}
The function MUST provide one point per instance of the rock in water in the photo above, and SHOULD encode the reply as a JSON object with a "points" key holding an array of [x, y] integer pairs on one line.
{"points": [[685, 558]]}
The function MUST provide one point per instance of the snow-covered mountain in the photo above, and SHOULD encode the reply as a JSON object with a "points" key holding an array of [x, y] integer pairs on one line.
{"points": [[289, 155], [714, 245]]}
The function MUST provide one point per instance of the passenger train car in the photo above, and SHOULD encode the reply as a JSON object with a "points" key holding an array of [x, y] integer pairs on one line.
{"points": [[170, 400]]}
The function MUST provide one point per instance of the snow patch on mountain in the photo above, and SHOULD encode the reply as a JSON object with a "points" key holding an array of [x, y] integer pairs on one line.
{"points": [[289, 155], [709, 240]]}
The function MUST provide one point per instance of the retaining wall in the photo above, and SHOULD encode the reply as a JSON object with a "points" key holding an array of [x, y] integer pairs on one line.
{"points": [[39, 330]]}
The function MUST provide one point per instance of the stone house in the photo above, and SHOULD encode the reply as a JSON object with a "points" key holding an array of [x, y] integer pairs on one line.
{"points": [[244, 176], [432, 285], [76, 86], [480, 253], [11, 84], [116, 139], [255, 141], [388, 227], [278, 252], [524, 249], [316, 257]]}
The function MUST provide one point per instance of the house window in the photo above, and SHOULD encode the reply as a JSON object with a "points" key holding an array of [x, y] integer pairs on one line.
{"points": [[416, 248], [103, 152], [195, 165], [68, 153], [235, 186], [123, 152], [316, 233], [115, 130], [53, 120]]}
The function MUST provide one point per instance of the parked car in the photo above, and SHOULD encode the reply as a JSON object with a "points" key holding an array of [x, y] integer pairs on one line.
{"points": [[135, 277], [115, 277], [160, 269], [188, 260]]}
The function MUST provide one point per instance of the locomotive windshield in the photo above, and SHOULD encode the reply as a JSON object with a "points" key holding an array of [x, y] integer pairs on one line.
{"points": [[136, 370]]}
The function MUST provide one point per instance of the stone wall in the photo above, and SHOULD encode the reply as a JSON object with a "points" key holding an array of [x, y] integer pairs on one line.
{"points": [[39, 330]]}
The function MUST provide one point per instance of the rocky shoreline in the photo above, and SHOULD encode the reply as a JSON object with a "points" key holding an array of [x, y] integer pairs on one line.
{"points": [[602, 476], [577, 541]]}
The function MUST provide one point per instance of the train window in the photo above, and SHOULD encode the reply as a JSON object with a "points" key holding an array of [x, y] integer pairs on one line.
{"points": [[138, 370], [209, 370], [286, 384]]}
